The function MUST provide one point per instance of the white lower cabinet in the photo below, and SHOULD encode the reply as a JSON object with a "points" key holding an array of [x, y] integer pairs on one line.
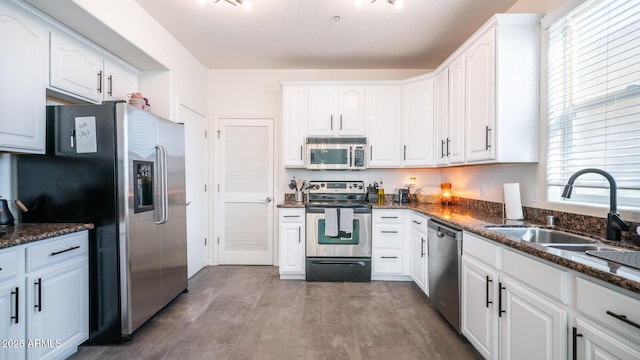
{"points": [[292, 243], [12, 322], [531, 326], [44, 310], [419, 245], [608, 323], [390, 249], [510, 309]]}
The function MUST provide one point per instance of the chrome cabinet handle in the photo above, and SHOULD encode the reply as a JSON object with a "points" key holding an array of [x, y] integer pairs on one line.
{"points": [[448, 142], [300, 152], [340, 121], [417, 222], [331, 122], [299, 234], [100, 82], [388, 232], [405, 152], [388, 257], [422, 247], [442, 149], [291, 216]]}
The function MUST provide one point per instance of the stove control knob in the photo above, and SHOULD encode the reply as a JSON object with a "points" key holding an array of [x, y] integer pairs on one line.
{"points": [[322, 185], [360, 187]]}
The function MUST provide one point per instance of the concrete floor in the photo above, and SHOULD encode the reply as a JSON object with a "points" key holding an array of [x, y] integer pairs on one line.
{"points": [[247, 312]]}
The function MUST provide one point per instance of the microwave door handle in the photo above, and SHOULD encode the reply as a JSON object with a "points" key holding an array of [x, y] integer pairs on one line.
{"points": [[350, 156]]}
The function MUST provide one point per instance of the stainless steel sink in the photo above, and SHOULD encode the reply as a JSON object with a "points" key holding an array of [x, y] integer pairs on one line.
{"points": [[542, 236], [583, 247]]}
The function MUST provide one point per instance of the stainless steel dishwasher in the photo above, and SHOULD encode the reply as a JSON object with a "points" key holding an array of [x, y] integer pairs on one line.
{"points": [[444, 250]]}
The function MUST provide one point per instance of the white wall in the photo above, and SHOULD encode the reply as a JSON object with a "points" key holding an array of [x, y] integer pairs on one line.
{"points": [[187, 79], [235, 93]]}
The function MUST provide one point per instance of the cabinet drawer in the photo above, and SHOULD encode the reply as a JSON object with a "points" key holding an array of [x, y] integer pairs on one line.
{"points": [[482, 250], [538, 275], [419, 223], [56, 250], [609, 307], [388, 216], [291, 215], [8, 264], [388, 236], [386, 261]]}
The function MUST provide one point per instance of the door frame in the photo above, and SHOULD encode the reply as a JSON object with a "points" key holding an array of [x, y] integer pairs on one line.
{"points": [[215, 189], [208, 208]]}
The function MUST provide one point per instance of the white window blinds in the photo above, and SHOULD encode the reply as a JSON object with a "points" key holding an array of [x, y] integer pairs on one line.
{"points": [[594, 98]]}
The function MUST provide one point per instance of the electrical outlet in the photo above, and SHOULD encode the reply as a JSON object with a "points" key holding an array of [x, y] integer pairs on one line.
{"points": [[483, 190], [534, 195]]}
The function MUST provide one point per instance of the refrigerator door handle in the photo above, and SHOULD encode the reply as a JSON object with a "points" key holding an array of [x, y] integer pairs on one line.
{"points": [[161, 151]]}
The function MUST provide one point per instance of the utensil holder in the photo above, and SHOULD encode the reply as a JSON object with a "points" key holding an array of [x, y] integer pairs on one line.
{"points": [[299, 196]]}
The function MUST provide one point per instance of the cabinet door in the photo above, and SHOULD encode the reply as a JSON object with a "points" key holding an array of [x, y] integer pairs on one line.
{"points": [[350, 115], [321, 107], [481, 98], [294, 118], [118, 82], [292, 256], [532, 327], [57, 303], [419, 259], [455, 140], [75, 68], [597, 342], [479, 308], [383, 103], [11, 322], [23, 70], [418, 123], [441, 113]]}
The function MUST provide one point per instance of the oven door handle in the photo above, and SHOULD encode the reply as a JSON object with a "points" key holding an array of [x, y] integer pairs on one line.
{"points": [[330, 262]]}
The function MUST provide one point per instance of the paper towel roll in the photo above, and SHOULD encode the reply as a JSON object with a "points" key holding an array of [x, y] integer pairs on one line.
{"points": [[512, 202]]}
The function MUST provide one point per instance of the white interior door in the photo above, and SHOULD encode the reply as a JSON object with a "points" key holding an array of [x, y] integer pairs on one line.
{"points": [[246, 181], [196, 180]]}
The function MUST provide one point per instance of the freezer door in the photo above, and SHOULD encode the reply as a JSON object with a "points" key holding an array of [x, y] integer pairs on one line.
{"points": [[140, 237], [174, 230]]}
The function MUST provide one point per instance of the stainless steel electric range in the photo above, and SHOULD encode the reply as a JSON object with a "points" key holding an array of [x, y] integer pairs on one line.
{"points": [[338, 232]]}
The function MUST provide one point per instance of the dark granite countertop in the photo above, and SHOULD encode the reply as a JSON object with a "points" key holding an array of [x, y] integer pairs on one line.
{"points": [[22, 233], [475, 221]]}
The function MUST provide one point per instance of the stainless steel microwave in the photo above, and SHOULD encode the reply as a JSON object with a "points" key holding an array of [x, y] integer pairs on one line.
{"points": [[336, 153]]}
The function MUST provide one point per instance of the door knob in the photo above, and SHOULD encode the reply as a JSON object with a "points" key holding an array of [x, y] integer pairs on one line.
{"points": [[268, 199]]}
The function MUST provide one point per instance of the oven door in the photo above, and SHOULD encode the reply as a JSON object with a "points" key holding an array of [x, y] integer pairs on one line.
{"points": [[358, 245]]}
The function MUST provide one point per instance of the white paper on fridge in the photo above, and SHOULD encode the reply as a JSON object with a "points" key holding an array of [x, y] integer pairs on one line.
{"points": [[86, 141], [512, 202]]}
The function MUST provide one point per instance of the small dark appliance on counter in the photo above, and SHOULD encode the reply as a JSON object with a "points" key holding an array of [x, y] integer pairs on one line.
{"points": [[403, 196], [372, 193]]}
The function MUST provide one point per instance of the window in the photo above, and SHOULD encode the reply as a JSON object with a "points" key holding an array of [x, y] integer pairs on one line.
{"points": [[594, 100]]}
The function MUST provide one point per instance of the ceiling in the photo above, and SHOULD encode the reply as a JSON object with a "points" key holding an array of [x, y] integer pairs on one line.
{"points": [[305, 34]]}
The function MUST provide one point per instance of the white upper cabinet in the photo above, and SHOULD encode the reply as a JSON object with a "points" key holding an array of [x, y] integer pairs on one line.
{"points": [[501, 117], [82, 71], [449, 112], [418, 122], [294, 119], [23, 70], [383, 120], [336, 110], [118, 82]]}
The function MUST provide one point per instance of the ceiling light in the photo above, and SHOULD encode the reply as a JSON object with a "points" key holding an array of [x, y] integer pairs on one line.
{"points": [[359, 2], [246, 4], [201, 2], [398, 4]]}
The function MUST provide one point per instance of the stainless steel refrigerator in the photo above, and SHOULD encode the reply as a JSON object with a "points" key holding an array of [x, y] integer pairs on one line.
{"points": [[121, 169]]}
